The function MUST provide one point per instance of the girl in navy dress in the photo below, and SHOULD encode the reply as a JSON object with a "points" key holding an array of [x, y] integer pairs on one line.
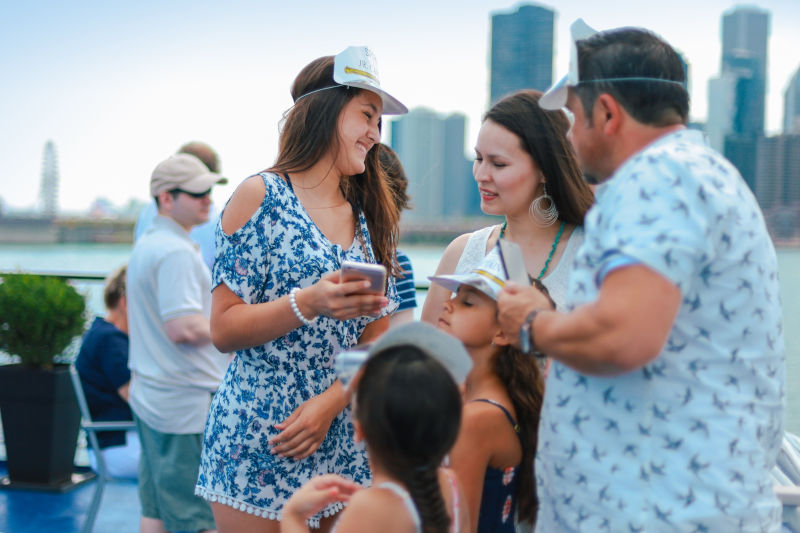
{"points": [[494, 453]]}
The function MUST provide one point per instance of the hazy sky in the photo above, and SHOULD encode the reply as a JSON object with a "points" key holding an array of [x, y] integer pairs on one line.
{"points": [[118, 86]]}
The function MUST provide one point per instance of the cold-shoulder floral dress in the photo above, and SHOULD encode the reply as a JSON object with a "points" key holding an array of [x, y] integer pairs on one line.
{"points": [[278, 249]]}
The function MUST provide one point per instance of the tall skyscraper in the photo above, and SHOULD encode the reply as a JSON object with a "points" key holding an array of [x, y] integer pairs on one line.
{"points": [[737, 96], [431, 148], [522, 50], [745, 31], [791, 105], [721, 108], [48, 192]]}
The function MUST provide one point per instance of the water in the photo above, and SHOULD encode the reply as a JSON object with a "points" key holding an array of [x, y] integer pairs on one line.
{"points": [[102, 258]]}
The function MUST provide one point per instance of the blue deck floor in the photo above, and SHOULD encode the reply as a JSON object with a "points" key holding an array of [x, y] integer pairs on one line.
{"points": [[25, 511]]}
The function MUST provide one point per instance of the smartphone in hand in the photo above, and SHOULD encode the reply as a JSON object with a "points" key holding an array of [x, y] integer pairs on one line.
{"points": [[374, 273], [513, 262]]}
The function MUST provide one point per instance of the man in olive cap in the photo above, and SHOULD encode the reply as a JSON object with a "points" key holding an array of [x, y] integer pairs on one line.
{"points": [[203, 234]]}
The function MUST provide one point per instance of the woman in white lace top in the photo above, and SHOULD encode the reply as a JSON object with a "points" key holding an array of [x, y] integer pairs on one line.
{"points": [[526, 171]]}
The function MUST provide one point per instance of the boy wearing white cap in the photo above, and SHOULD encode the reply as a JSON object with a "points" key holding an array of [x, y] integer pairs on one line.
{"points": [[174, 367]]}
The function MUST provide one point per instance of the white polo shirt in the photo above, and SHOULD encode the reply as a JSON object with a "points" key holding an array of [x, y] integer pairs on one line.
{"points": [[171, 384]]}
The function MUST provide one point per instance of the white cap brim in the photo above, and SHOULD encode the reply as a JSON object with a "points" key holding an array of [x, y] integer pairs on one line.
{"points": [[556, 96], [391, 105], [183, 171], [446, 349], [356, 66], [452, 282], [487, 276]]}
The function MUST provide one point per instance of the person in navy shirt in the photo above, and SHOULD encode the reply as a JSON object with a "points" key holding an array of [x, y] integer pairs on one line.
{"points": [[102, 365]]}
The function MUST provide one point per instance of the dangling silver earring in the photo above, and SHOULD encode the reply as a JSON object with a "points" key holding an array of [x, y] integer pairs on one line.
{"points": [[541, 215]]}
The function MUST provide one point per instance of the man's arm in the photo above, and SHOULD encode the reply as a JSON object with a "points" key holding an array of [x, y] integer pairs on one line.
{"points": [[624, 329], [125, 391], [189, 329]]}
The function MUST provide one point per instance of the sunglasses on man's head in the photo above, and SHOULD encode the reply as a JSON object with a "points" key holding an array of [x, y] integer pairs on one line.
{"points": [[196, 195]]}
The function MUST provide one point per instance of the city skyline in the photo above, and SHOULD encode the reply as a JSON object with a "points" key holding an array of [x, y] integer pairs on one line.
{"points": [[738, 94], [119, 87], [429, 146]]}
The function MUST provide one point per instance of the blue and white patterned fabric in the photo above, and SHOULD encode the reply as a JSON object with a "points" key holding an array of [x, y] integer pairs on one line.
{"points": [[278, 249], [687, 442]]}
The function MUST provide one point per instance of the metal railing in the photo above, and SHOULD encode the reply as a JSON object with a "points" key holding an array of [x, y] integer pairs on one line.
{"points": [[81, 276]]}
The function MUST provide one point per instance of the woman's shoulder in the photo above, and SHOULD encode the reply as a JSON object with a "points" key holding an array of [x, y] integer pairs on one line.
{"points": [[479, 236], [457, 245], [251, 195], [482, 415], [452, 254], [472, 248]]}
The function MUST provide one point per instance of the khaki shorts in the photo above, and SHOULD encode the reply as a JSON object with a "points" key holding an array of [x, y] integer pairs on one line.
{"points": [[167, 475]]}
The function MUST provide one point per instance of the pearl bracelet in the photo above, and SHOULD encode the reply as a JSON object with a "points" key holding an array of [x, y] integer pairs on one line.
{"points": [[297, 313]]}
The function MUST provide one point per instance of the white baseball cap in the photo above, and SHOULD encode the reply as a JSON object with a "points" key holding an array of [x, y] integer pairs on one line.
{"points": [[446, 349], [556, 96], [183, 171], [356, 66], [488, 277]]}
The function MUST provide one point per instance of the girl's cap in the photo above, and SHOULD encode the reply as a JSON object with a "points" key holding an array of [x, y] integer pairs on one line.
{"points": [[488, 277], [446, 349], [357, 66]]}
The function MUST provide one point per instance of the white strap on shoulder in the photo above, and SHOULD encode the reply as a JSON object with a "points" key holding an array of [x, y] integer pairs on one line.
{"points": [[407, 501]]}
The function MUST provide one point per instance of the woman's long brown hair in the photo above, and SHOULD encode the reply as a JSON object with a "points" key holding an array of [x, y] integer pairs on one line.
{"points": [[543, 134], [310, 130]]}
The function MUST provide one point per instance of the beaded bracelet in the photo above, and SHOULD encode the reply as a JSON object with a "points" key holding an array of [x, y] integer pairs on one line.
{"points": [[297, 313]]}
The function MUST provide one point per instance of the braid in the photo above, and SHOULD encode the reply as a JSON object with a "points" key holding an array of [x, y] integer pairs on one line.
{"points": [[423, 486], [410, 434], [523, 381]]}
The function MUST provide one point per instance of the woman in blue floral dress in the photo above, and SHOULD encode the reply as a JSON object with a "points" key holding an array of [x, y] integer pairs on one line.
{"points": [[280, 416]]}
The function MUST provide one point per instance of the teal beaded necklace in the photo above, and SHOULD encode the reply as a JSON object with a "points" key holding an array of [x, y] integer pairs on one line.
{"points": [[552, 250]]}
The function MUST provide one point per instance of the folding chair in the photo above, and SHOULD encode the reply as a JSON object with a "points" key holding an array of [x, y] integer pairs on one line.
{"points": [[92, 428]]}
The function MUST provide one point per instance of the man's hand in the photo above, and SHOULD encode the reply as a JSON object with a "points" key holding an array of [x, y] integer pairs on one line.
{"points": [[513, 305]]}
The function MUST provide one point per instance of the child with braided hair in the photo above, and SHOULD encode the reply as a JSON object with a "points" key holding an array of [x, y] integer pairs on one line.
{"points": [[408, 412], [494, 453]]}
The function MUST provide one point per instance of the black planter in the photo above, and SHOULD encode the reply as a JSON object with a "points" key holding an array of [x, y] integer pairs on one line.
{"points": [[41, 420]]}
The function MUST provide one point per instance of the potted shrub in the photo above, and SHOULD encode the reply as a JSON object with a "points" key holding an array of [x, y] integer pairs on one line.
{"points": [[39, 317]]}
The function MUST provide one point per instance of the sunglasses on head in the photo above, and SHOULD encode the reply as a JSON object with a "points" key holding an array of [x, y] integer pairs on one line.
{"points": [[196, 195]]}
